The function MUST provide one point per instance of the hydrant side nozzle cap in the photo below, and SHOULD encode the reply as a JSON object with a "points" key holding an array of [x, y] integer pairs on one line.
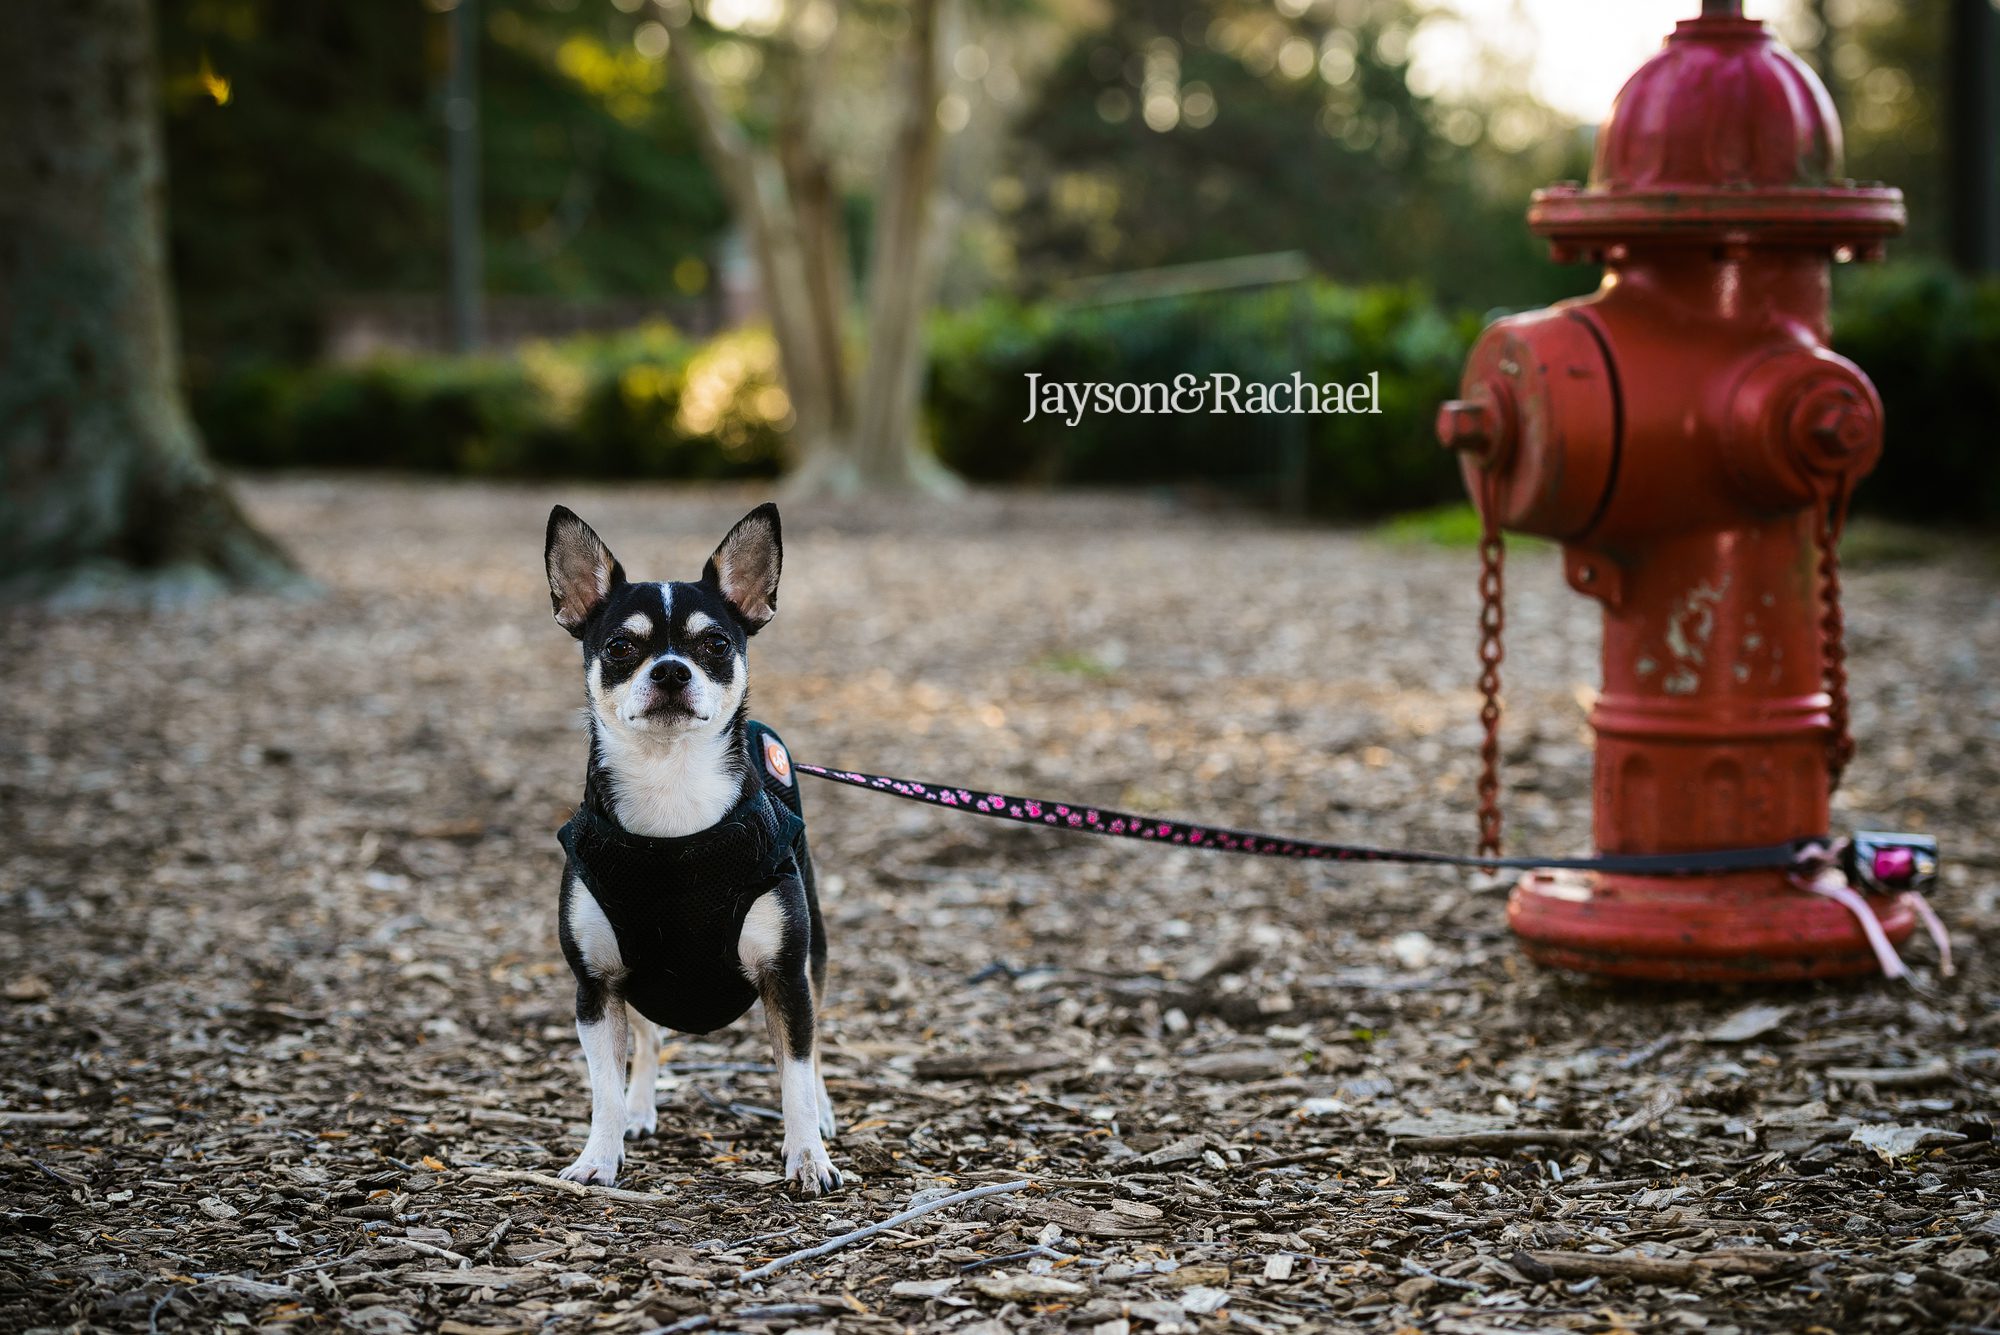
{"points": [[1480, 425], [1464, 424], [1835, 425], [1799, 419]]}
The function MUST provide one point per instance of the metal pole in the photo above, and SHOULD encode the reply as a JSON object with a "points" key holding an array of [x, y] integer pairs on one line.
{"points": [[461, 118], [1298, 433]]}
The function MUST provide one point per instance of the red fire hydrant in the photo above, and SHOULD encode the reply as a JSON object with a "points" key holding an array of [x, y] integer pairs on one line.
{"points": [[1687, 436]]}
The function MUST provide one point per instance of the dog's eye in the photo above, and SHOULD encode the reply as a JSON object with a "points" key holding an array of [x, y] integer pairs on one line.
{"points": [[619, 648], [716, 646]]}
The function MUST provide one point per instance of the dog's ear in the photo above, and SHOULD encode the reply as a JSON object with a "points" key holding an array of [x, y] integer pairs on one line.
{"points": [[582, 570], [745, 567]]}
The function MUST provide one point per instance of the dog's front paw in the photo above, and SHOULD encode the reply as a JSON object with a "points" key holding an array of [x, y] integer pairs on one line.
{"points": [[809, 1173], [591, 1166]]}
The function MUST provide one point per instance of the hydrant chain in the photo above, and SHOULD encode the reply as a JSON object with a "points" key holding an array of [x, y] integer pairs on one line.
{"points": [[1492, 624], [1833, 638]]}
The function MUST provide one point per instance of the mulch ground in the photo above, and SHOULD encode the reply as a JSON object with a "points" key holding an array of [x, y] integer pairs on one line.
{"points": [[288, 1045]]}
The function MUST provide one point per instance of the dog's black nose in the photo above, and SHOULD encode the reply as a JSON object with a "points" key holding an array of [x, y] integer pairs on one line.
{"points": [[672, 672]]}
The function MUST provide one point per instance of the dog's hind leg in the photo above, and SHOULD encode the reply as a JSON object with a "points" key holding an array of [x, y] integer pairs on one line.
{"points": [[642, 1113], [808, 1169], [829, 1125]]}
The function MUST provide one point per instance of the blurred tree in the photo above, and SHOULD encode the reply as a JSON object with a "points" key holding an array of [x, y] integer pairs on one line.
{"points": [[857, 424], [1918, 85], [321, 173], [1888, 67], [101, 472], [1198, 129], [461, 124]]}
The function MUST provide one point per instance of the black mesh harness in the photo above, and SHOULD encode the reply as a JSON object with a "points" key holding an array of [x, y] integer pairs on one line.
{"points": [[677, 905]]}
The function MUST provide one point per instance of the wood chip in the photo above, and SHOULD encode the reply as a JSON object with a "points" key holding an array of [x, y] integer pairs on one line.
{"points": [[1027, 1288], [1497, 1142], [1644, 1269], [993, 1066], [1091, 1223]]}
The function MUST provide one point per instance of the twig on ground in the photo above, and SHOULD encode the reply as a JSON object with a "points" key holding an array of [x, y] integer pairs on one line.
{"points": [[1642, 1269], [1511, 1139], [1632, 1061], [318, 1265], [427, 1249], [848, 1239], [1049, 1252], [1412, 1268], [1299, 1156], [749, 1112], [568, 1187], [699, 1321], [1935, 1071], [1607, 1188], [491, 1241], [722, 1244], [255, 1287]]}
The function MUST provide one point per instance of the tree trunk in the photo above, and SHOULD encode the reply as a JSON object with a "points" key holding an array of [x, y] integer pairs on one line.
{"points": [[889, 453], [822, 236], [467, 253], [852, 432], [104, 485], [1972, 136], [756, 189]]}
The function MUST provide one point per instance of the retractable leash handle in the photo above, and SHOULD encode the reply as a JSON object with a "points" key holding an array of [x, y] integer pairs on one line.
{"points": [[1905, 865], [1890, 862]]}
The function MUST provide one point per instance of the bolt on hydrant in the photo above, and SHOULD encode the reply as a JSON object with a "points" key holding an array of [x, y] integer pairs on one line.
{"points": [[1687, 436]]}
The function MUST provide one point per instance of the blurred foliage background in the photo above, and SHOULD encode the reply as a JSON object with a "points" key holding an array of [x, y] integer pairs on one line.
{"points": [[306, 152]]}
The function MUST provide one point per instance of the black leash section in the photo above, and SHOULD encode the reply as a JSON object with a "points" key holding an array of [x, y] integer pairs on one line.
{"points": [[1797, 855]]}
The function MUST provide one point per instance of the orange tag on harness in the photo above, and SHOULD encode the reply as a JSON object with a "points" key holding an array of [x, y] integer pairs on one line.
{"points": [[777, 760]]}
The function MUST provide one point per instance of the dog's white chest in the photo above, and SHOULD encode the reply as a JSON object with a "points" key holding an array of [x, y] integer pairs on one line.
{"points": [[670, 791]]}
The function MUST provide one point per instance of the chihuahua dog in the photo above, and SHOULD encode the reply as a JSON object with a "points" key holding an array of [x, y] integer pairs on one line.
{"points": [[687, 890]]}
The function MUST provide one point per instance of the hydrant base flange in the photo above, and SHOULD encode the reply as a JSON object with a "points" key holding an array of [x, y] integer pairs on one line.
{"points": [[1750, 927]]}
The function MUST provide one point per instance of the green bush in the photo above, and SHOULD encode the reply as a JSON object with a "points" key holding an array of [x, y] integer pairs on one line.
{"points": [[1931, 342], [645, 403]]}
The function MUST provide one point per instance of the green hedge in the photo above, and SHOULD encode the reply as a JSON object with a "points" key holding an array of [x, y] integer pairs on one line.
{"points": [[649, 403], [646, 403], [1931, 342]]}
